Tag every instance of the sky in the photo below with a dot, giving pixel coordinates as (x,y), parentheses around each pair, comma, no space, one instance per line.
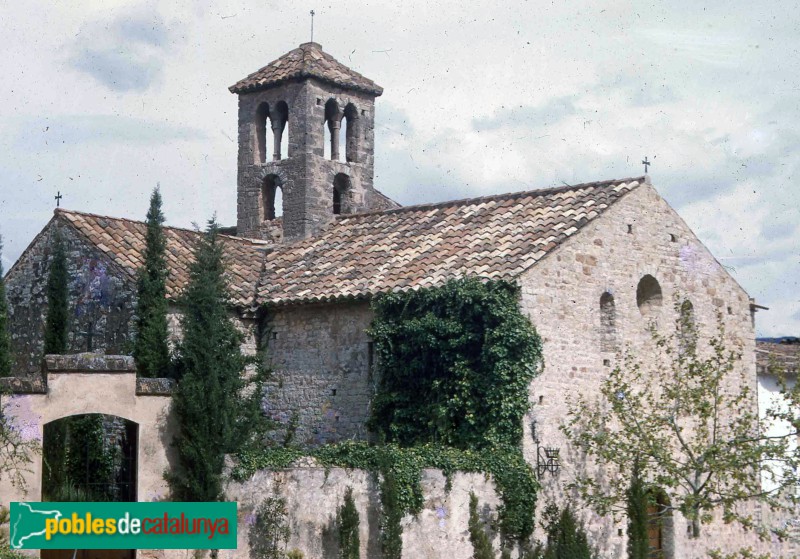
(102,100)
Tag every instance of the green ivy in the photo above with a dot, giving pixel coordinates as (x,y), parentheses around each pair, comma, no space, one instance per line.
(513,477)
(455,365)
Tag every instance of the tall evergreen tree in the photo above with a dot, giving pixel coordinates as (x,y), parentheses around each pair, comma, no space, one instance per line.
(638,541)
(348,522)
(481,544)
(5,338)
(56,324)
(150,349)
(218,408)
(566,538)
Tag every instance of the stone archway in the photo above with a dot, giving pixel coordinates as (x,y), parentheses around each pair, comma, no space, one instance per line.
(84,384)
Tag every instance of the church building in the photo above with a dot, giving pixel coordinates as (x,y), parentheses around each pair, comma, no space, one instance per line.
(597,263)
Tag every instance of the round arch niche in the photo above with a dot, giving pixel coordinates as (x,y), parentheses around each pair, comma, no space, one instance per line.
(649,297)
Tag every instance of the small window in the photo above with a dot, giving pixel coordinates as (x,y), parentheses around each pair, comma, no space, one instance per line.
(673,238)
(648,295)
(608,323)
(272,197)
(687,330)
(630,228)
(341,187)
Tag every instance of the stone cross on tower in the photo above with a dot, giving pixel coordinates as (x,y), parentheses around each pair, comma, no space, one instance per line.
(646,164)
(312,25)
(58,198)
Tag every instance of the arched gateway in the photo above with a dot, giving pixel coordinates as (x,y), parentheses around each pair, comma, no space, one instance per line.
(90,385)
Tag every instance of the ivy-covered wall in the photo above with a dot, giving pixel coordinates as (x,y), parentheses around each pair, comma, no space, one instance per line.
(314,494)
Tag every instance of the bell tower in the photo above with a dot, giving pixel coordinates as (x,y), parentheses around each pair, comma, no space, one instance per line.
(306,145)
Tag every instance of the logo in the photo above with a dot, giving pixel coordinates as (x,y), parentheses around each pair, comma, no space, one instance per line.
(122,526)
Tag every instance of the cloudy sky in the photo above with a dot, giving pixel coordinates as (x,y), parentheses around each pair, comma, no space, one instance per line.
(103,99)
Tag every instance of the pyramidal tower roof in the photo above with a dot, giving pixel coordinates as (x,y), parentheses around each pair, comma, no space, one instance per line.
(306,61)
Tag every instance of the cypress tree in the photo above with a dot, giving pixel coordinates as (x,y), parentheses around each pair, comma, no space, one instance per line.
(638,541)
(481,545)
(56,324)
(5,338)
(348,521)
(566,538)
(150,348)
(391,531)
(218,409)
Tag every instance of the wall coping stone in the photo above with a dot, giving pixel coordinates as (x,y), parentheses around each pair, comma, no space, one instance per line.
(88,363)
(23,385)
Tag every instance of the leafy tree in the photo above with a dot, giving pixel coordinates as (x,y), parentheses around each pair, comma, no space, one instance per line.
(218,408)
(150,348)
(16,446)
(691,423)
(638,518)
(348,522)
(566,538)
(270,531)
(481,545)
(456,363)
(5,338)
(57,322)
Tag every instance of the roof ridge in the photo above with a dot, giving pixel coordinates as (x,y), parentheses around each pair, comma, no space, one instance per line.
(64,211)
(502,196)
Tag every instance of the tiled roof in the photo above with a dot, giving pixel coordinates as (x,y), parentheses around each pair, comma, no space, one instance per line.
(122,240)
(492,237)
(785,356)
(360,255)
(308,60)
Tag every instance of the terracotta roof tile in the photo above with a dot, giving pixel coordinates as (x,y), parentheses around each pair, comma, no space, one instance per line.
(421,246)
(308,60)
(360,255)
(123,241)
(785,356)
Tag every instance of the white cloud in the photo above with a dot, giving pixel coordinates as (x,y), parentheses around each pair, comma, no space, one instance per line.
(479,98)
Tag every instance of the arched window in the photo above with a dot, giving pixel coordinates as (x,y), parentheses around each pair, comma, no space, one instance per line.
(262,115)
(648,295)
(687,330)
(341,187)
(333,122)
(280,118)
(351,133)
(608,323)
(272,197)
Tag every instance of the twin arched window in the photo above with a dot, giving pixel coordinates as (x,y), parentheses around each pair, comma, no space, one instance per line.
(272,122)
(340,131)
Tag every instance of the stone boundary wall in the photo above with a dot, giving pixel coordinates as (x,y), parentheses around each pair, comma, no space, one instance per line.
(313,496)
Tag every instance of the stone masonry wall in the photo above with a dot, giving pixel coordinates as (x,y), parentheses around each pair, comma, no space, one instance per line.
(305,177)
(101,297)
(640,235)
(322,381)
(313,496)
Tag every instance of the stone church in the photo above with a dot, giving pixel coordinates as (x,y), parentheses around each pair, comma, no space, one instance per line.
(597,262)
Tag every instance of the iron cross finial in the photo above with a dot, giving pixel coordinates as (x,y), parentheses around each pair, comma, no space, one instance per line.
(312,25)
(646,164)
(58,199)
